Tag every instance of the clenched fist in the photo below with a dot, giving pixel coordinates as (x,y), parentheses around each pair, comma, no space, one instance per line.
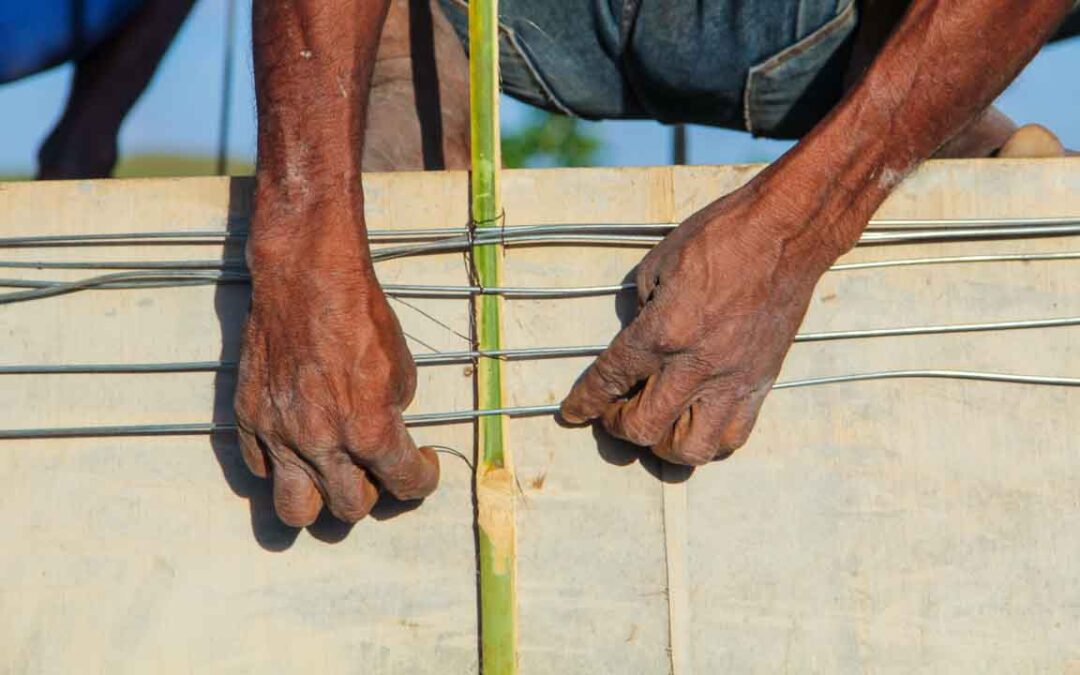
(720,300)
(324,377)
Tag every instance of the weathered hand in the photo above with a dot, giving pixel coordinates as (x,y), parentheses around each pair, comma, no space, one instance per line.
(720,300)
(324,377)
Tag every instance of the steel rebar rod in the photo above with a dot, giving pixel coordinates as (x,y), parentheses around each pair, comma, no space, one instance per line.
(887,229)
(522,353)
(238,271)
(524,411)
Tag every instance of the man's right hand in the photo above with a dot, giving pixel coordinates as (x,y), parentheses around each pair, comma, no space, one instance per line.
(324,377)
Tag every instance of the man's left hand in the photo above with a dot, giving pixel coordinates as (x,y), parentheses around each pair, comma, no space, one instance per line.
(720,301)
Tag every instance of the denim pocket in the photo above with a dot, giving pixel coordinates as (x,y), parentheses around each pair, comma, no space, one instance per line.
(790,91)
(518,74)
(522,78)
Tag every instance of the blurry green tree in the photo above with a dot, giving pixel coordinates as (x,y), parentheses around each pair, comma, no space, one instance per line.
(548,139)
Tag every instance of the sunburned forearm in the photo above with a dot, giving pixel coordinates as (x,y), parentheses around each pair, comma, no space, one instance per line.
(945,63)
(313,65)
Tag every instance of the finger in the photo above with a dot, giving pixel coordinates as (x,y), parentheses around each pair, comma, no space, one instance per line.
(297,501)
(405,471)
(647,417)
(627,361)
(349,493)
(712,428)
(253,455)
(647,277)
(737,431)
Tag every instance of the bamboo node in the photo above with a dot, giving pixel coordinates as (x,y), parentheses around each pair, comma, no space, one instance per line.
(495,513)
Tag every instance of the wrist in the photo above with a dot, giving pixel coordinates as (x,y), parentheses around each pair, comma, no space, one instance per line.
(307,239)
(809,215)
(833,182)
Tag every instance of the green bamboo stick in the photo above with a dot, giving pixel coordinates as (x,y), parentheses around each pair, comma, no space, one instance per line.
(494,471)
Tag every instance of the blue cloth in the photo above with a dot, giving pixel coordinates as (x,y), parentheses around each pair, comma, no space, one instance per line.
(39,34)
(773,67)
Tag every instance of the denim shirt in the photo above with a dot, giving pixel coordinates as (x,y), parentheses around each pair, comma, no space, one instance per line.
(773,67)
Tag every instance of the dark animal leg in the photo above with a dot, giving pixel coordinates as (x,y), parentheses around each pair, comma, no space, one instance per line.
(108,80)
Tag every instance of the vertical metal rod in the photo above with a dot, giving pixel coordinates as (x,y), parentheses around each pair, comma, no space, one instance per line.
(495,481)
(226,89)
(678,145)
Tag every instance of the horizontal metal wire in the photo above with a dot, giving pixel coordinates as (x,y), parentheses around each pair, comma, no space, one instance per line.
(199,273)
(227,264)
(421,419)
(237,266)
(939,329)
(516,238)
(520,353)
(925,223)
(187,237)
(40,289)
(428,291)
(441,358)
(118,368)
(957,259)
(879,229)
(980,376)
(141,279)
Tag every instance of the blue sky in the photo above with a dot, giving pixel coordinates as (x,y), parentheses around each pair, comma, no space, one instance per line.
(179,113)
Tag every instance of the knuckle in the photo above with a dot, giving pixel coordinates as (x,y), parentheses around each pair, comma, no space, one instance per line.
(406,382)
(692,454)
(390,457)
(414,487)
(350,504)
(309,429)
(349,512)
(637,429)
(296,507)
(607,376)
(646,279)
(372,432)
(677,332)
(245,405)
(735,437)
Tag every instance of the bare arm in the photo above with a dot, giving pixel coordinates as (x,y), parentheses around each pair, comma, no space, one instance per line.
(324,372)
(313,66)
(944,64)
(723,295)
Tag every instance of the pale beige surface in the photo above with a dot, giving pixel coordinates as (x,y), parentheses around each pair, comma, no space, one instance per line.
(890,526)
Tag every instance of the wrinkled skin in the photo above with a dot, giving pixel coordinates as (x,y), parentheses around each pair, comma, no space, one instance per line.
(320,394)
(720,300)
(721,297)
(325,374)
